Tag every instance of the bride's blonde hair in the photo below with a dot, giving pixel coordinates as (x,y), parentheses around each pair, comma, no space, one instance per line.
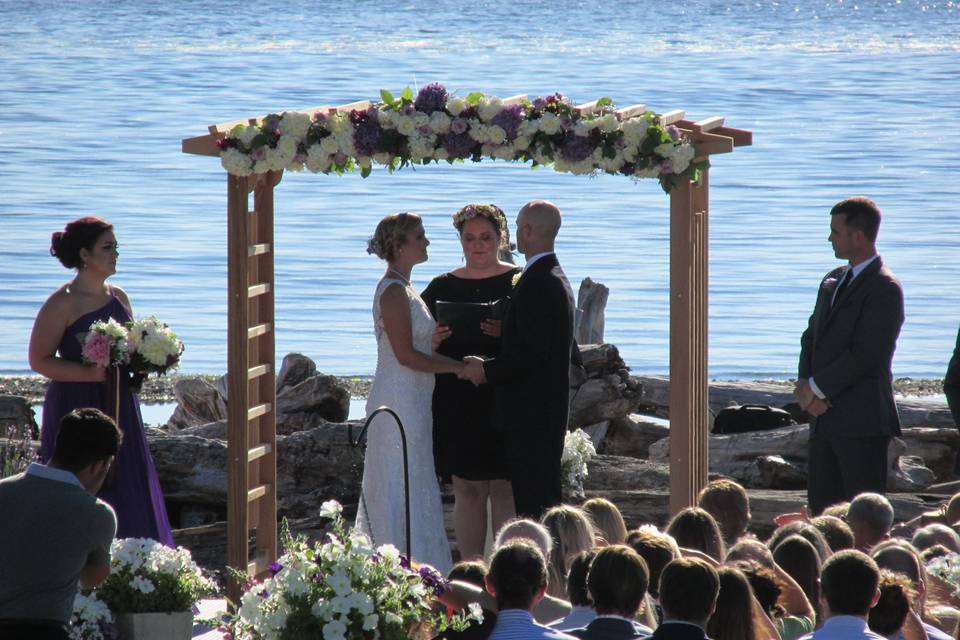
(392,233)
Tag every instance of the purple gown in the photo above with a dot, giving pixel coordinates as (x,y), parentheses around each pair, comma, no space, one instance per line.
(135,494)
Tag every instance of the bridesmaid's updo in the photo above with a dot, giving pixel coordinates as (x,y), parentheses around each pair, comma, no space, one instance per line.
(82,233)
(391,234)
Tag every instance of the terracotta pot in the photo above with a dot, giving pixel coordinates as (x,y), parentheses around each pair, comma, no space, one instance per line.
(155,626)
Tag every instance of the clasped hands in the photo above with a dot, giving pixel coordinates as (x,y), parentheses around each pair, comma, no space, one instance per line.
(808,400)
(473,370)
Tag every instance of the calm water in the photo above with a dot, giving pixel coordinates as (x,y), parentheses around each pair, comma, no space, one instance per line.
(842,98)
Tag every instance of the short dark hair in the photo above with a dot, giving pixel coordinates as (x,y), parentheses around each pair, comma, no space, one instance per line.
(577,579)
(471,571)
(849,581)
(838,533)
(896,599)
(517,572)
(859,213)
(657,550)
(86,436)
(618,580)
(82,233)
(688,590)
(798,557)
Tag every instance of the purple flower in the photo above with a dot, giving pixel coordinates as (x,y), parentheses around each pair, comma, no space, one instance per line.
(509,119)
(432,97)
(425,130)
(628,169)
(264,594)
(576,148)
(275,568)
(539,103)
(366,137)
(320,117)
(458,145)
(408,110)
(259,153)
(674,132)
(432,579)
(405,562)
(271,124)
(458,126)
(666,166)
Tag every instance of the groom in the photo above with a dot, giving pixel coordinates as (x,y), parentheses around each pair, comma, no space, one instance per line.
(531,375)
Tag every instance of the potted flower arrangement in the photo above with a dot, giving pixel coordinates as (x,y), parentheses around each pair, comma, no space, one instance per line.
(577,450)
(91,619)
(151,589)
(342,588)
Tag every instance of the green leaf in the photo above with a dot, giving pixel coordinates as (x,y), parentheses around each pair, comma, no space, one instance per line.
(237,129)
(387,97)
(473,99)
(365,171)
(605,101)
(407,94)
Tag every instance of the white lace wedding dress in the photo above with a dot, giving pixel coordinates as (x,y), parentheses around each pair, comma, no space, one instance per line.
(380,513)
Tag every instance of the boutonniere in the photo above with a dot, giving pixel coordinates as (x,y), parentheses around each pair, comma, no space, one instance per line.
(829,283)
(516,279)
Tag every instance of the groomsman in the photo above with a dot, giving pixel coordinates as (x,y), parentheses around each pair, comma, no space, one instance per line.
(844,380)
(951,387)
(531,375)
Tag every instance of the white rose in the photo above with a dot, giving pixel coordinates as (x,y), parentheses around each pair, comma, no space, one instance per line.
(608,123)
(440,122)
(295,124)
(561,165)
(296,165)
(441,153)
(478,131)
(489,107)
(456,105)
(329,145)
(406,125)
(504,152)
(496,134)
(611,165)
(522,143)
(387,118)
(649,172)
(549,124)
(421,119)
(528,128)
(582,129)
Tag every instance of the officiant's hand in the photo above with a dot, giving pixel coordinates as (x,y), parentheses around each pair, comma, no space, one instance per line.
(441,333)
(473,370)
(490,327)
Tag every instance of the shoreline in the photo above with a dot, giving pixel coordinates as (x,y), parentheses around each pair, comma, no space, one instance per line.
(159,390)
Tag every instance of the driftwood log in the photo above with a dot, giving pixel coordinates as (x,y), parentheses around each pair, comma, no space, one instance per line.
(591,303)
(17,417)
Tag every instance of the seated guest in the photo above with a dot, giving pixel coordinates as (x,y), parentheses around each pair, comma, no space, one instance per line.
(694,528)
(617,582)
(870,517)
(837,533)
(657,550)
(893,610)
(779,597)
(850,581)
(518,580)
(607,520)
(471,572)
(549,608)
(799,559)
(571,532)
(733,618)
(805,530)
(59,534)
(688,596)
(900,557)
(936,533)
(581,611)
(728,503)
(838,510)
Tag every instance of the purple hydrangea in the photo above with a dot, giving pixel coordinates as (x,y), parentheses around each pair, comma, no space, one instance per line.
(408,110)
(576,148)
(271,124)
(674,132)
(459,125)
(509,119)
(366,137)
(539,103)
(628,169)
(459,145)
(432,97)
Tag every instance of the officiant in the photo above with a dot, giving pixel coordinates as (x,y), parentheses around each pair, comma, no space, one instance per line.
(469,448)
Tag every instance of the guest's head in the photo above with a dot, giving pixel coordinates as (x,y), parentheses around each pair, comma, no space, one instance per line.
(837,510)
(849,581)
(86,443)
(688,591)
(952,513)
(733,617)
(526,529)
(765,584)
(399,236)
(657,549)
(517,578)
(838,533)
(901,557)
(870,517)
(618,581)
(471,571)
(936,551)
(86,243)
(797,556)
(896,599)
(751,550)
(538,224)
(483,233)
(854,221)
(577,592)
(695,528)
(805,530)
(607,520)
(571,532)
(936,534)
(728,503)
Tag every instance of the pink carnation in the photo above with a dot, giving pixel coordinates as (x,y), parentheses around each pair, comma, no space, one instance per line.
(97,349)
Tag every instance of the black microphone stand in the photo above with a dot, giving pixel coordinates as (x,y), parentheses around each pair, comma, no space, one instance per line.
(406,471)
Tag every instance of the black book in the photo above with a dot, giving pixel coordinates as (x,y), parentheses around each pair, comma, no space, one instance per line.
(464,318)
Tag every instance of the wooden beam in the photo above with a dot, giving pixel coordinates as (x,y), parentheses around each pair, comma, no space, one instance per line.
(671,117)
(258,452)
(587,108)
(201,145)
(631,111)
(708,123)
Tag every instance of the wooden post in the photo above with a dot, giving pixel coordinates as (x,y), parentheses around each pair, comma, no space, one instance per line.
(689,407)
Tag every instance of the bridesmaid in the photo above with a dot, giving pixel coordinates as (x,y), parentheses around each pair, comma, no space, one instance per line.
(89,246)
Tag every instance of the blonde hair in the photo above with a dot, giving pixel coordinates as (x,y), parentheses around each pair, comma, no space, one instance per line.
(571,532)
(392,233)
(607,519)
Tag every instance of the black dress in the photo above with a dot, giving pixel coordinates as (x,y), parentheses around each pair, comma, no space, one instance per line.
(466,441)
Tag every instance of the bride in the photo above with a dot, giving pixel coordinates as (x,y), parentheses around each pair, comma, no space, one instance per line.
(404,382)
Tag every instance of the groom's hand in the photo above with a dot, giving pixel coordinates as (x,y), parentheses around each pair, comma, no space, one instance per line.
(473,370)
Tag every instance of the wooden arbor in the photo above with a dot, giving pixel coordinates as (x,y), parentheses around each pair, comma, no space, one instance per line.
(251,433)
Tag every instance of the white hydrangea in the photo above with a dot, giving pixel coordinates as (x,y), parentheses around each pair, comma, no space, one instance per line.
(339,123)
(489,107)
(521,143)
(648,172)
(549,123)
(635,131)
(440,122)
(236,162)
(317,159)
(328,145)
(608,123)
(456,105)
(441,153)
(582,129)
(247,133)
(287,147)
(496,134)
(387,118)
(295,124)
(681,156)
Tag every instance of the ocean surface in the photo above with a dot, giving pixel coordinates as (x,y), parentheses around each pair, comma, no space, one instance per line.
(843,98)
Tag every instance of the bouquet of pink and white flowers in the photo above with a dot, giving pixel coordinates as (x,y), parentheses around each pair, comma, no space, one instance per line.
(105,344)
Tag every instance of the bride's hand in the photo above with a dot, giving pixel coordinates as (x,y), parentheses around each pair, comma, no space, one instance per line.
(441,333)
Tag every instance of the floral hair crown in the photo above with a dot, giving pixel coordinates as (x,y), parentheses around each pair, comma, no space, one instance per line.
(373,247)
(491,212)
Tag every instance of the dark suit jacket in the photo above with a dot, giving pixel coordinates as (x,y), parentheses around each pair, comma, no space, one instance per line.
(951,383)
(678,631)
(532,372)
(848,350)
(609,629)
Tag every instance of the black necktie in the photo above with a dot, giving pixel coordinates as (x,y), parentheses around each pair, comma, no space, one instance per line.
(847,277)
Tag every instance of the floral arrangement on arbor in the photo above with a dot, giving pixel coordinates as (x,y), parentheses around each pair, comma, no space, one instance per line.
(342,588)
(91,619)
(436,126)
(148,577)
(577,450)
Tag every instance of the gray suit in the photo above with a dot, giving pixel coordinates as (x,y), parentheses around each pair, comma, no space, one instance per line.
(848,350)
